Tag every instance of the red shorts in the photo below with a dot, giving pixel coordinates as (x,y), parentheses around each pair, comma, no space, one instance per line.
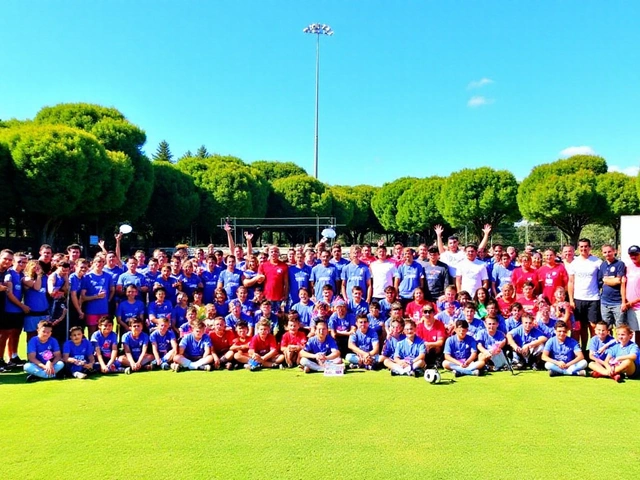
(92,320)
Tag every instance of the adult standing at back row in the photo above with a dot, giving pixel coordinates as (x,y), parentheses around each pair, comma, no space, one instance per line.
(452,255)
(583,289)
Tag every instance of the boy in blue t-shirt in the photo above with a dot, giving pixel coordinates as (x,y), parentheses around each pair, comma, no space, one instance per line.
(105,345)
(364,344)
(409,355)
(195,350)
(623,358)
(461,352)
(77,354)
(562,354)
(527,343)
(490,343)
(164,345)
(135,343)
(43,353)
(319,350)
(599,344)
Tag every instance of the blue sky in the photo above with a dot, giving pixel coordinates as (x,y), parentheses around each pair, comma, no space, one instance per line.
(406,88)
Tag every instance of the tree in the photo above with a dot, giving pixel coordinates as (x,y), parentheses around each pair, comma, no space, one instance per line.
(300,196)
(385,202)
(163,153)
(202,152)
(116,134)
(62,172)
(619,193)
(227,187)
(418,210)
(273,170)
(186,154)
(564,194)
(364,220)
(343,204)
(175,202)
(7,181)
(479,196)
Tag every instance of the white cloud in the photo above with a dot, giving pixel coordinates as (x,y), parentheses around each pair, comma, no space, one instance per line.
(582,150)
(480,83)
(479,101)
(631,171)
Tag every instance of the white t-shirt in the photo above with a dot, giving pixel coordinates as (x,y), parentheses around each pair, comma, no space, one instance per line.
(472,274)
(381,276)
(585,277)
(452,260)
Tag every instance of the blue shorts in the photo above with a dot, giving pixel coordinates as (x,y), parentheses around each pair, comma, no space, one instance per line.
(31,322)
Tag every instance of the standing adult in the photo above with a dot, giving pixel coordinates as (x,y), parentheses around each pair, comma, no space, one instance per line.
(436,275)
(584,293)
(356,273)
(276,279)
(382,271)
(631,294)
(525,273)
(611,273)
(408,276)
(325,273)
(471,273)
(552,274)
(453,255)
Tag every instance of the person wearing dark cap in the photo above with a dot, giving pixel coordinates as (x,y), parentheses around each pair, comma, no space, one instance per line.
(436,274)
(631,292)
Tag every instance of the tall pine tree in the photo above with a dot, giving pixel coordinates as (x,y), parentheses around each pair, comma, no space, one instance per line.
(163,153)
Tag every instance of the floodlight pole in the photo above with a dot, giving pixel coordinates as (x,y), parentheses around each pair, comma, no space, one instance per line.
(317,29)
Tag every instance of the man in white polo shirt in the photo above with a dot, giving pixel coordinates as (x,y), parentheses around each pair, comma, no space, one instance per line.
(452,255)
(584,290)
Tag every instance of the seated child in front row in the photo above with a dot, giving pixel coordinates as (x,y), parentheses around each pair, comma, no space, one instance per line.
(599,344)
(136,344)
(77,354)
(43,353)
(195,350)
(164,345)
(461,352)
(562,354)
(263,348)
(105,344)
(623,358)
(293,340)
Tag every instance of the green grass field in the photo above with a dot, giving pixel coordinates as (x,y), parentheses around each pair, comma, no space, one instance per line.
(284,424)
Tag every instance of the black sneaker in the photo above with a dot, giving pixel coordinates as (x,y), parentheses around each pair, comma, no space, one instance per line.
(32,378)
(418,372)
(553,373)
(394,373)
(456,374)
(18,361)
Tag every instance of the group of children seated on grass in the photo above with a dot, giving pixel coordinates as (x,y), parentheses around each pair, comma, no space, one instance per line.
(312,336)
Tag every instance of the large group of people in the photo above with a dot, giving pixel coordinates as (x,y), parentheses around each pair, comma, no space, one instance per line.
(468,309)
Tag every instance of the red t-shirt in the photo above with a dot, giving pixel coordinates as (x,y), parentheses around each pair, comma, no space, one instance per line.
(413,310)
(241,341)
(519,278)
(552,278)
(262,347)
(299,339)
(222,344)
(432,334)
(275,276)
(528,305)
(505,307)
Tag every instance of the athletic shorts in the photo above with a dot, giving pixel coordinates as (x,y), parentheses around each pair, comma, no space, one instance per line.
(587,310)
(31,322)
(12,321)
(92,320)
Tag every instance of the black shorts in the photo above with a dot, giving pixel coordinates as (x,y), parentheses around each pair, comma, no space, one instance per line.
(587,311)
(12,321)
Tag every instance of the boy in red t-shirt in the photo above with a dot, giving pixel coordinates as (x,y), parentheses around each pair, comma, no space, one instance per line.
(222,339)
(240,345)
(263,348)
(293,340)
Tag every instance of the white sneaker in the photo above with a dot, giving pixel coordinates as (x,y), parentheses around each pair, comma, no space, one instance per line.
(80,375)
